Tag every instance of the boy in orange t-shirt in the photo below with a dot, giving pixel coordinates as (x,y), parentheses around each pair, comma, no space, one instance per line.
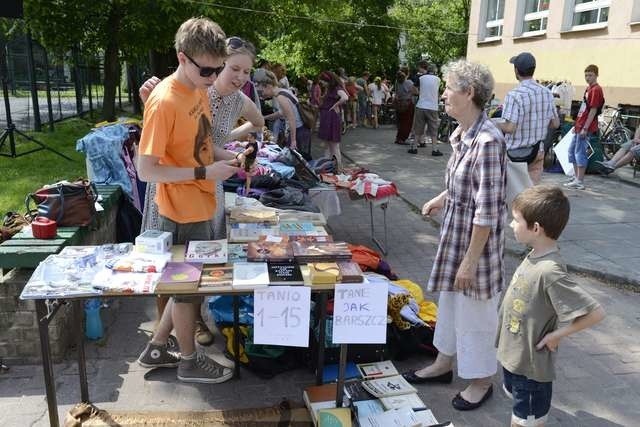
(177,152)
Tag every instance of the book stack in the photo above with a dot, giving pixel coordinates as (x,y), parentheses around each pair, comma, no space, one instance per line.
(180,277)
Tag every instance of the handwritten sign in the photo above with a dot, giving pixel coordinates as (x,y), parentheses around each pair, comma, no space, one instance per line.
(281,315)
(360,313)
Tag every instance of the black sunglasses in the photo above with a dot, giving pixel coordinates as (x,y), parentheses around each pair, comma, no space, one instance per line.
(236,43)
(206,71)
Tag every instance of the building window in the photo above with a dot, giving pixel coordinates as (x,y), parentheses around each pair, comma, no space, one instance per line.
(536,14)
(495,19)
(588,12)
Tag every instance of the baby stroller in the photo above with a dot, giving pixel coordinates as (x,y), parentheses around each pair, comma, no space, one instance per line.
(387,113)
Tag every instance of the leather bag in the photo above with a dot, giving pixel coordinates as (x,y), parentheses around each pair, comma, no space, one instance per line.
(67,203)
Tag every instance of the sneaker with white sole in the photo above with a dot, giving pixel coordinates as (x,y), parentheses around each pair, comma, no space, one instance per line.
(569,181)
(158,356)
(575,185)
(203,369)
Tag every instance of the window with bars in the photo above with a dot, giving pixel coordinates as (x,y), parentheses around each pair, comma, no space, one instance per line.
(536,15)
(495,19)
(587,12)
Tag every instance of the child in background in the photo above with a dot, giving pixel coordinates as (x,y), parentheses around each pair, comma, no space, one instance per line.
(540,295)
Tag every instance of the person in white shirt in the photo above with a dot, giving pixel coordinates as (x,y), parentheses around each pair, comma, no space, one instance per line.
(378,92)
(426,113)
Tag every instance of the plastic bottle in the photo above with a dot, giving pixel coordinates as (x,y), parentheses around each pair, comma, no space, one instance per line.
(93,323)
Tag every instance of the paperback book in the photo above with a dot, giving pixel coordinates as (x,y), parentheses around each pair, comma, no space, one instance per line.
(206,251)
(388,386)
(285,274)
(319,397)
(350,272)
(250,274)
(253,215)
(384,368)
(251,232)
(236,252)
(138,262)
(215,277)
(266,250)
(320,252)
(180,277)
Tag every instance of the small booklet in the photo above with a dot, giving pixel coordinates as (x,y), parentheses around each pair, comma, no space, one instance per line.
(285,274)
(350,272)
(388,386)
(250,274)
(236,252)
(180,277)
(412,401)
(265,250)
(206,251)
(381,369)
(216,277)
(249,214)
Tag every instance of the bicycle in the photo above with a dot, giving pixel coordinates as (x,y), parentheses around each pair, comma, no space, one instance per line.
(447,125)
(613,133)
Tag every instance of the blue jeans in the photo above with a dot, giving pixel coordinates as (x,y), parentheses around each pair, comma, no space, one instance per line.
(578,150)
(531,399)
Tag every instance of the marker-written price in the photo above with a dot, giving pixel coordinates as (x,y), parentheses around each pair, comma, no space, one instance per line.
(360,313)
(281,315)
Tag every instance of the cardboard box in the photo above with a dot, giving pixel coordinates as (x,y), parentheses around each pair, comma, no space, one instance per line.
(154,242)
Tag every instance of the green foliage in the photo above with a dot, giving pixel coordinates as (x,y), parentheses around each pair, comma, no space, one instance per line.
(437,28)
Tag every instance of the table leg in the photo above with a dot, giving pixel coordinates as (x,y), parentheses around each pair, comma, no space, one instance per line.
(342,367)
(236,336)
(47,365)
(382,246)
(322,302)
(82,364)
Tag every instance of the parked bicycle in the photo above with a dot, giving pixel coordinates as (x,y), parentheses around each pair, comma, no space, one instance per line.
(613,132)
(447,126)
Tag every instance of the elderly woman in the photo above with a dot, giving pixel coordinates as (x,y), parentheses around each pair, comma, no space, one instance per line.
(468,269)
(228,104)
(286,104)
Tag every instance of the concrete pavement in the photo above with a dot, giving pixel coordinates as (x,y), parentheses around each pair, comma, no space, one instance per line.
(598,370)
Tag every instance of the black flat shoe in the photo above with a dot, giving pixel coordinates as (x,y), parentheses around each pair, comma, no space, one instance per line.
(445,378)
(436,153)
(412,151)
(461,404)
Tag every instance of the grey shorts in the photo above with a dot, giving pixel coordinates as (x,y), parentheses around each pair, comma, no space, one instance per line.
(183,233)
(632,148)
(428,119)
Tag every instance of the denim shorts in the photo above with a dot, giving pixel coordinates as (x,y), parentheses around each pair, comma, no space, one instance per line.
(578,150)
(531,399)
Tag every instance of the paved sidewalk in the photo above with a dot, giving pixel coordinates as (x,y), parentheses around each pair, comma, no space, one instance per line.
(598,371)
(603,234)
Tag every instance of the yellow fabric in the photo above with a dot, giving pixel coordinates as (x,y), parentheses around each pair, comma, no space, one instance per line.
(120,121)
(177,131)
(428,309)
(228,334)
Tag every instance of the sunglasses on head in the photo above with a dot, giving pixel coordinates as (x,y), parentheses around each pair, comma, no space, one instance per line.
(236,42)
(206,71)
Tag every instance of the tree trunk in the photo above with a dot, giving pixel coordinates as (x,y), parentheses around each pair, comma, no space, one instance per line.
(111,67)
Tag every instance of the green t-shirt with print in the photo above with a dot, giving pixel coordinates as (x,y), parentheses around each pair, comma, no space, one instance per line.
(540,295)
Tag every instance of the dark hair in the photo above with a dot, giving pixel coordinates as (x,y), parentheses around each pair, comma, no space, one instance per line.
(401,77)
(424,65)
(592,68)
(545,204)
(331,78)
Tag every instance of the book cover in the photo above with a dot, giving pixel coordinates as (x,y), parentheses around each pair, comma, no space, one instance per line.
(322,273)
(253,215)
(334,417)
(355,392)
(110,281)
(180,276)
(284,274)
(330,372)
(206,251)
(384,368)
(296,227)
(350,272)
(137,262)
(216,276)
(265,250)
(236,252)
(388,386)
(321,252)
(319,397)
(250,274)
(411,400)
(251,232)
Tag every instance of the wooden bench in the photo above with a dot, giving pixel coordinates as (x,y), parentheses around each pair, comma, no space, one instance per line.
(25,251)
(19,256)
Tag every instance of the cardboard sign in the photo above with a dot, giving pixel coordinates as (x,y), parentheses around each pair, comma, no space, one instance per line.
(360,313)
(562,153)
(281,315)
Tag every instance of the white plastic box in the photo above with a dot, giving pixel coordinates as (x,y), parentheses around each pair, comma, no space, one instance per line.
(154,242)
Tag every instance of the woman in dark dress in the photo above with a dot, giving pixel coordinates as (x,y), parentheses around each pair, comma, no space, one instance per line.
(331,115)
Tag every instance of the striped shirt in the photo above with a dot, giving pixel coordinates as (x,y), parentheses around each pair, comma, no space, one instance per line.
(476,185)
(531,107)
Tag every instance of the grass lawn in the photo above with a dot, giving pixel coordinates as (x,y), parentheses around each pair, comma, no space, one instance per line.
(22,175)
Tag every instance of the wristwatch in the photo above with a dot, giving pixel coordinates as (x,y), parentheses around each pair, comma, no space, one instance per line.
(200,172)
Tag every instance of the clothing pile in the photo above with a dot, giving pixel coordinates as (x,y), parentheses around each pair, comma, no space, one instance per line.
(363,184)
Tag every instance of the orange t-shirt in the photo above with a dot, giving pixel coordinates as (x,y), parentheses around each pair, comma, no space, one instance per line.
(177,129)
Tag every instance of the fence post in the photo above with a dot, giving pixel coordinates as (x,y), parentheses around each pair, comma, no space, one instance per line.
(48,84)
(37,125)
(77,79)
(88,71)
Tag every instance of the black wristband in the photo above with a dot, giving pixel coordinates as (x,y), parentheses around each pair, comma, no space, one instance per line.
(200,172)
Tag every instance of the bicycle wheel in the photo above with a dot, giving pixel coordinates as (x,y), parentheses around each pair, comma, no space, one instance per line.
(613,140)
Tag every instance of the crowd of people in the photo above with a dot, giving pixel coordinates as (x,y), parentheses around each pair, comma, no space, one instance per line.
(189,115)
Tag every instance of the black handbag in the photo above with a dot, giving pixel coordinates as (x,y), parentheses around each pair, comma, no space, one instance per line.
(67,203)
(524,154)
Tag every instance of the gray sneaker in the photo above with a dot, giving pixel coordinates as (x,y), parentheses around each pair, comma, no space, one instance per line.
(202,369)
(158,356)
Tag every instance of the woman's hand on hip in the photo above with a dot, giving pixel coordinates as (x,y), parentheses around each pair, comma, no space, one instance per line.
(466,275)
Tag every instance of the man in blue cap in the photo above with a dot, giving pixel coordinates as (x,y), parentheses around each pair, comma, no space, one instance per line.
(529,110)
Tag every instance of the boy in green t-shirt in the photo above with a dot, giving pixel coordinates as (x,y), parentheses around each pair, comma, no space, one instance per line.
(540,295)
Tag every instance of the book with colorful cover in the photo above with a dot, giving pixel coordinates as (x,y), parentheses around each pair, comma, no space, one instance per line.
(180,277)
(109,281)
(236,252)
(206,251)
(350,272)
(320,252)
(250,274)
(138,262)
(284,274)
(250,214)
(318,397)
(334,417)
(266,250)
(216,277)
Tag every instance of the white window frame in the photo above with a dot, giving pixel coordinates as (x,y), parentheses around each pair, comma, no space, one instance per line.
(496,23)
(534,16)
(635,14)
(585,7)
